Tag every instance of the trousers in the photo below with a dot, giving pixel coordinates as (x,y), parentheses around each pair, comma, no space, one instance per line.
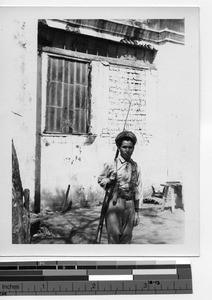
(120,221)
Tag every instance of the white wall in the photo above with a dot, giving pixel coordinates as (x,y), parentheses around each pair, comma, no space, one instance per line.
(76,160)
(23,59)
(178,106)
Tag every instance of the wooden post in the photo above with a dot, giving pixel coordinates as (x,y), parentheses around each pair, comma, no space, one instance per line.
(165,193)
(65,200)
(173,199)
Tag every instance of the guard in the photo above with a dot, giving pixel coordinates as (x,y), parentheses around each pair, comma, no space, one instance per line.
(123,210)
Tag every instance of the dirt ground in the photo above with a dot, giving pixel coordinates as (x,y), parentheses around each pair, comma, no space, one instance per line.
(158,227)
(79,226)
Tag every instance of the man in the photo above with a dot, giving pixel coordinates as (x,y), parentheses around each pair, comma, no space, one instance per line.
(123,210)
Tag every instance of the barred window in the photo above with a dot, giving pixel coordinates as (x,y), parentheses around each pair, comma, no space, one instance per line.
(67,103)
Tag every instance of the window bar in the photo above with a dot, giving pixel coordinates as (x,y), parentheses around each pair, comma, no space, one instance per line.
(65,98)
(80,98)
(55,95)
(49,94)
(62,95)
(88,106)
(52,117)
(85,94)
(59,94)
(74,96)
(67,121)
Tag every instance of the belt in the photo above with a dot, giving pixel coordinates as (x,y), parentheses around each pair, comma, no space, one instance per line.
(127,195)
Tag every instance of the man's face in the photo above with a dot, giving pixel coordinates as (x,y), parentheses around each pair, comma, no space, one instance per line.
(126,149)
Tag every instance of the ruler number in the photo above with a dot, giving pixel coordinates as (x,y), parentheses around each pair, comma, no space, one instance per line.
(140,285)
(145,285)
(92,286)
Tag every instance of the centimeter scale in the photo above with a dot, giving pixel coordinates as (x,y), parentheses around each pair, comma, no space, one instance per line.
(94,277)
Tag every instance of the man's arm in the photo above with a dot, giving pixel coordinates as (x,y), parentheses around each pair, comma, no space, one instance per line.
(107,176)
(138,196)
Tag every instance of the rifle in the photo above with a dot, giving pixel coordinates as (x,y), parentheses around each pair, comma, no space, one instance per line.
(110,194)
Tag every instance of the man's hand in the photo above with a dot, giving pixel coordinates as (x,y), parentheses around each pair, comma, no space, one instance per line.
(136,219)
(104,182)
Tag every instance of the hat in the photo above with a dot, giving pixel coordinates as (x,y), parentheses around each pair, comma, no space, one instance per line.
(129,135)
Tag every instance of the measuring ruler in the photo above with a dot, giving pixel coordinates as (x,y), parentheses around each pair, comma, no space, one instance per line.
(94,278)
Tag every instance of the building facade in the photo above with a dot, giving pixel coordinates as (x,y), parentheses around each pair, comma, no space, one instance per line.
(78,83)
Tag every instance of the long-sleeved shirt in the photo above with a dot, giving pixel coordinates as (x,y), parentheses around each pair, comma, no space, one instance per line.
(128,176)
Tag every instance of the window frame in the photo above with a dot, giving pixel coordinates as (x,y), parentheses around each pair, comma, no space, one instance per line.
(44,81)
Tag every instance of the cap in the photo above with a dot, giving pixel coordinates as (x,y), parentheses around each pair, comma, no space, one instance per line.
(129,135)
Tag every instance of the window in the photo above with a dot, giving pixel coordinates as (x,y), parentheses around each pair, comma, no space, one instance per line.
(67,103)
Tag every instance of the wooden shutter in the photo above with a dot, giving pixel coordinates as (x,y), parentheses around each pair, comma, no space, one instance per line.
(67,104)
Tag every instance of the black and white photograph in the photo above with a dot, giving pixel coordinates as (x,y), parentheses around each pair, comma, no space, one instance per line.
(105,130)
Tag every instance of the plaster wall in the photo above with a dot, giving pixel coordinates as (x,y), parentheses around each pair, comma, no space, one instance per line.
(178,108)
(77,160)
(23,56)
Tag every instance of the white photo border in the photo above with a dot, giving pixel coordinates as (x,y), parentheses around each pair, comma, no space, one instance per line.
(192,239)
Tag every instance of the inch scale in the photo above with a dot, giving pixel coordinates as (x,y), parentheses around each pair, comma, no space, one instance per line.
(94,278)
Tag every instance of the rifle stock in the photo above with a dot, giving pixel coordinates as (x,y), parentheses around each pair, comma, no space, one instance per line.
(109,195)
(101,220)
(104,209)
